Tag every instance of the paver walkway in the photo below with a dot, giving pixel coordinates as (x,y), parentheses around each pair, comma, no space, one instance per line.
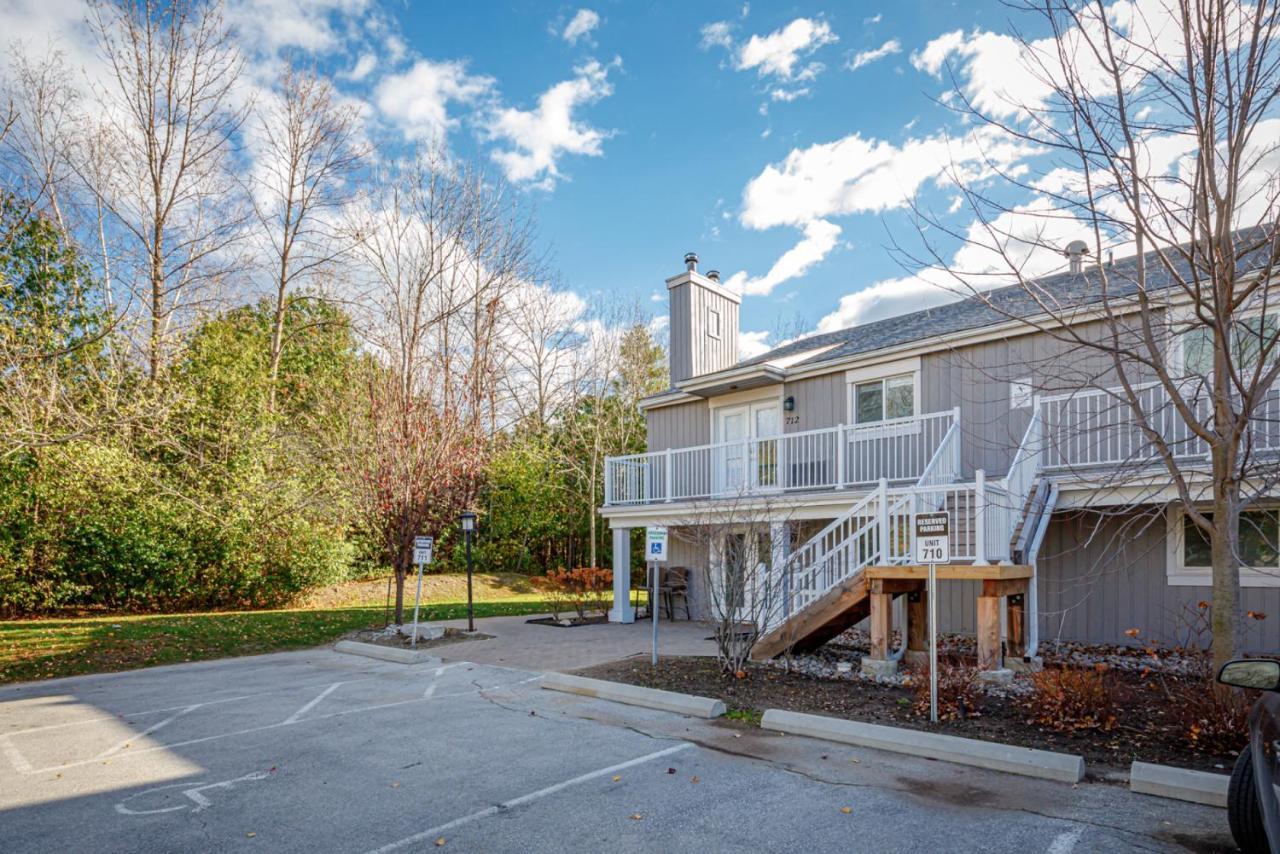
(517,643)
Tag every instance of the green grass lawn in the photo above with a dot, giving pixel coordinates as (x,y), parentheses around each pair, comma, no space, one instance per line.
(48,648)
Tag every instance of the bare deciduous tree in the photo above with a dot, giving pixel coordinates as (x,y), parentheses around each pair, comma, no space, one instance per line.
(439,251)
(1118,89)
(171,106)
(310,150)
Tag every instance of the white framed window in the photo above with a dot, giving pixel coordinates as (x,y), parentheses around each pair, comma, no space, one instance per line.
(1188,560)
(885,399)
(713,323)
(1250,335)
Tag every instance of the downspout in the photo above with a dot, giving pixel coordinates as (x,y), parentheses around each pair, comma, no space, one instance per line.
(1033,553)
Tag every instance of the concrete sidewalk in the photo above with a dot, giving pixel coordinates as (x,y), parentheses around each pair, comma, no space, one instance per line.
(517,643)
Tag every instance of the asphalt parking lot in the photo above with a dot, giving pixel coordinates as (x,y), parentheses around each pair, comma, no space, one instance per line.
(316,751)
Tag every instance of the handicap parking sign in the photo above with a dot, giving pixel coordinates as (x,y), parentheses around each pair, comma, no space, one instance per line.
(655,544)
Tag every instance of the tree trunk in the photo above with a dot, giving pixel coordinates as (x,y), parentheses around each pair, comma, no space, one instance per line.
(400,574)
(277,344)
(1224,549)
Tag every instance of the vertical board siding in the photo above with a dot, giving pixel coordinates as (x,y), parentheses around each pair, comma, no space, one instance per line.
(691,551)
(683,425)
(820,402)
(1099,577)
(680,334)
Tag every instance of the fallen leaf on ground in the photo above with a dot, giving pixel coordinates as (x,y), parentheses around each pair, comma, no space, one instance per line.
(856,761)
(846,810)
(671,770)
(251,834)
(440,842)
(617,777)
(635,816)
(395,785)
(695,779)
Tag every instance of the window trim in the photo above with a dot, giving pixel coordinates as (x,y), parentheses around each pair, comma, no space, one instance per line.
(1183,322)
(884,371)
(713,314)
(1177,574)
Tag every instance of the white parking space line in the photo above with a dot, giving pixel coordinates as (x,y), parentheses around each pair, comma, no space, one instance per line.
(488,812)
(250,730)
(1065,843)
(293,718)
(15,757)
(146,732)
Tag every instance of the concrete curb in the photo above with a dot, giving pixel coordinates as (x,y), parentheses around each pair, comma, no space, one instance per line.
(633,695)
(1165,781)
(1063,767)
(386,653)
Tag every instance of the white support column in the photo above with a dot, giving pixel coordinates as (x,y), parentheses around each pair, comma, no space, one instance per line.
(622,612)
(666,475)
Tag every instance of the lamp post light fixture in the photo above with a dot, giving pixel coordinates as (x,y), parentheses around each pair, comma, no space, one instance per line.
(468,520)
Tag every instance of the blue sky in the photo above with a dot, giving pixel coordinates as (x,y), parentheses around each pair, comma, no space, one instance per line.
(780,142)
(686,131)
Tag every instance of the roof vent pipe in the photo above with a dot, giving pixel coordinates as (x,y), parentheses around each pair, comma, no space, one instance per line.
(713,275)
(1075,252)
(691,261)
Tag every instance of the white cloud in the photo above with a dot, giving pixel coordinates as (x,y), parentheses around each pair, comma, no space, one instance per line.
(363,68)
(539,137)
(858,175)
(417,100)
(314,26)
(717,34)
(580,26)
(820,237)
(866,57)
(874,19)
(752,344)
(1028,239)
(777,53)
(788,95)
(935,53)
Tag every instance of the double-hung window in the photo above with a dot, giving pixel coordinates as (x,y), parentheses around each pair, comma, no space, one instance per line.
(884,399)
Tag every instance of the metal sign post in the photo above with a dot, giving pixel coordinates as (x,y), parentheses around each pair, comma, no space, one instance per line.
(933,546)
(655,552)
(422,547)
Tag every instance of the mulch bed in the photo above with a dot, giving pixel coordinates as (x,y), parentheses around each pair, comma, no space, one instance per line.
(569,622)
(1146,732)
(381,637)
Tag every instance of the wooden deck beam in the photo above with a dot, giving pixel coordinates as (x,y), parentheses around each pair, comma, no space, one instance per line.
(958,572)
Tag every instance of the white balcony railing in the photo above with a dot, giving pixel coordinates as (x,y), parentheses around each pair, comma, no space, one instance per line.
(899,451)
(1098,428)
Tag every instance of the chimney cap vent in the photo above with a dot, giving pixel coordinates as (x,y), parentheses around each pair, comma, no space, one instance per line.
(713,275)
(691,261)
(1075,252)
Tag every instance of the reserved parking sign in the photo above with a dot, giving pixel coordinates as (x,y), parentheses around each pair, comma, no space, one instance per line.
(933,538)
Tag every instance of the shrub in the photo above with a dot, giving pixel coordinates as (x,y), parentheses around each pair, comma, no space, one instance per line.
(960,693)
(1069,699)
(585,589)
(1212,718)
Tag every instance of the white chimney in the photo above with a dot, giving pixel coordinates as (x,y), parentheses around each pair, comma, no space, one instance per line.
(704,322)
(1075,252)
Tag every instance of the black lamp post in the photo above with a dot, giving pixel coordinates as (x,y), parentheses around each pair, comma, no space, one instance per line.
(468,520)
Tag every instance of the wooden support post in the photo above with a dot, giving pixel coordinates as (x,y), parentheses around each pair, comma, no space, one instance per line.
(1016,625)
(918,622)
(989,633)
(881,624)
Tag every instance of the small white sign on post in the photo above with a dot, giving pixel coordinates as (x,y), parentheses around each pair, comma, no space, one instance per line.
(655,552)
(933,546)
(422,547)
